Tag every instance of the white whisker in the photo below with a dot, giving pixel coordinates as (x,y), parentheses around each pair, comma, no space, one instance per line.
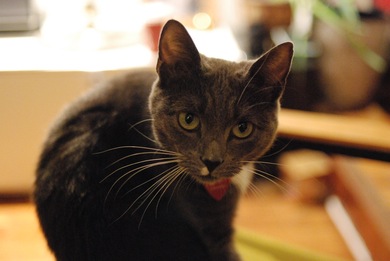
(270,178)
(277,152)
(262,162)
(149,180)
(140,169)
(135,147)
(164,184)
(136,171)
(251,79)
(133,164)
(161,185)
(140,122)
(256,105)
(142,154)
(178,172)
(255,190)
(142,134)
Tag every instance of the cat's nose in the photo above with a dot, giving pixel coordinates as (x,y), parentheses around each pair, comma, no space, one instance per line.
(211,165)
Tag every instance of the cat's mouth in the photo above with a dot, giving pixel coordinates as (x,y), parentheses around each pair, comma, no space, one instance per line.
(218,189)
(215,186)
(206,177)
(210,178)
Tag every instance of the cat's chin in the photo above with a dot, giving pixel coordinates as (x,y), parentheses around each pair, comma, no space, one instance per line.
(209,179)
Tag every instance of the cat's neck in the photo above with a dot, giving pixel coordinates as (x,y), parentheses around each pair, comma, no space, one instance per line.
(243,179)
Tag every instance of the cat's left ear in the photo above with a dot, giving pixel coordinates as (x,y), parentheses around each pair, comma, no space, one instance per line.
(272,68)
(176,48)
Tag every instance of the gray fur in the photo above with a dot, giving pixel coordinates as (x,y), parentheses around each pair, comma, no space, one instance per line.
(120,179)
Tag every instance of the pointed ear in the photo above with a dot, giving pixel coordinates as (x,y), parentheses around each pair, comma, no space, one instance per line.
(274,65)
(176,47)
(270,71)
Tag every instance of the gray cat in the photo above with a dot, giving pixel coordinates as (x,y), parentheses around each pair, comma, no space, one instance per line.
(151,166)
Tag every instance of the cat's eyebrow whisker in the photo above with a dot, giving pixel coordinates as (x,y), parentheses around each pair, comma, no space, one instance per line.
(258,91)
(140,122)
(142,134)
(251,79)
(256,104)
(278,151)
(265,88)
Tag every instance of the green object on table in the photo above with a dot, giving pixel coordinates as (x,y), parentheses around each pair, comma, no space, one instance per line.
(253,247)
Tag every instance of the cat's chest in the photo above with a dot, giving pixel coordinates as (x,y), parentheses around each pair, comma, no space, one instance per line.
(203,212)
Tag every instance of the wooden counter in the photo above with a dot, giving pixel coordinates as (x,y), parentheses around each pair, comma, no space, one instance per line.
(269,213)
(369,136)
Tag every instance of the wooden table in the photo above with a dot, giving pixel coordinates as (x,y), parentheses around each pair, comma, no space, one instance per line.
(20,234)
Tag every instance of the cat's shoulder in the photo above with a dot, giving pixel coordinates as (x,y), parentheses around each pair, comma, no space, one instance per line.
(126,84)
(122,93)
(120,90)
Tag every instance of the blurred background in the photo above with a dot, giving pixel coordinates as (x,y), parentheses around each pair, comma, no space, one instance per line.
(51,51)
(341,46)
(342,49)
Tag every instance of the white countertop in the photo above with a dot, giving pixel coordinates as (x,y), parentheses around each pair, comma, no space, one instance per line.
(30,53)
(36,81)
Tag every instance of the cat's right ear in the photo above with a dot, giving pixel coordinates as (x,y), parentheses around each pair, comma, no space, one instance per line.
(275,64)
(272,68)
(176,48)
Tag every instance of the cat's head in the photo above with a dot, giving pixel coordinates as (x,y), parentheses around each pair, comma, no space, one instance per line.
(218,115)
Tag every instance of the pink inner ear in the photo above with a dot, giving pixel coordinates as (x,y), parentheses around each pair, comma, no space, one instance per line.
(176,45)
(217,190)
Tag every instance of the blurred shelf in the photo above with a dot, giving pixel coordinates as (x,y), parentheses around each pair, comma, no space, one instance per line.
(361,136)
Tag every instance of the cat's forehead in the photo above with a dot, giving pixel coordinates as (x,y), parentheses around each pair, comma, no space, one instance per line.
(217,69)
(211,104)
(224,79)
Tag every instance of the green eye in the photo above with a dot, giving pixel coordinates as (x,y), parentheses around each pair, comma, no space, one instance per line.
(242,130)
(188,121)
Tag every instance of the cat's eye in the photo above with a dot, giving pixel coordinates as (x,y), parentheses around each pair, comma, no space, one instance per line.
(188,121)
(242,130)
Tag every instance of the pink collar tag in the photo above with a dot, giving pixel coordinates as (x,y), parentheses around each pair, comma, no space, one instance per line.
(218,189)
